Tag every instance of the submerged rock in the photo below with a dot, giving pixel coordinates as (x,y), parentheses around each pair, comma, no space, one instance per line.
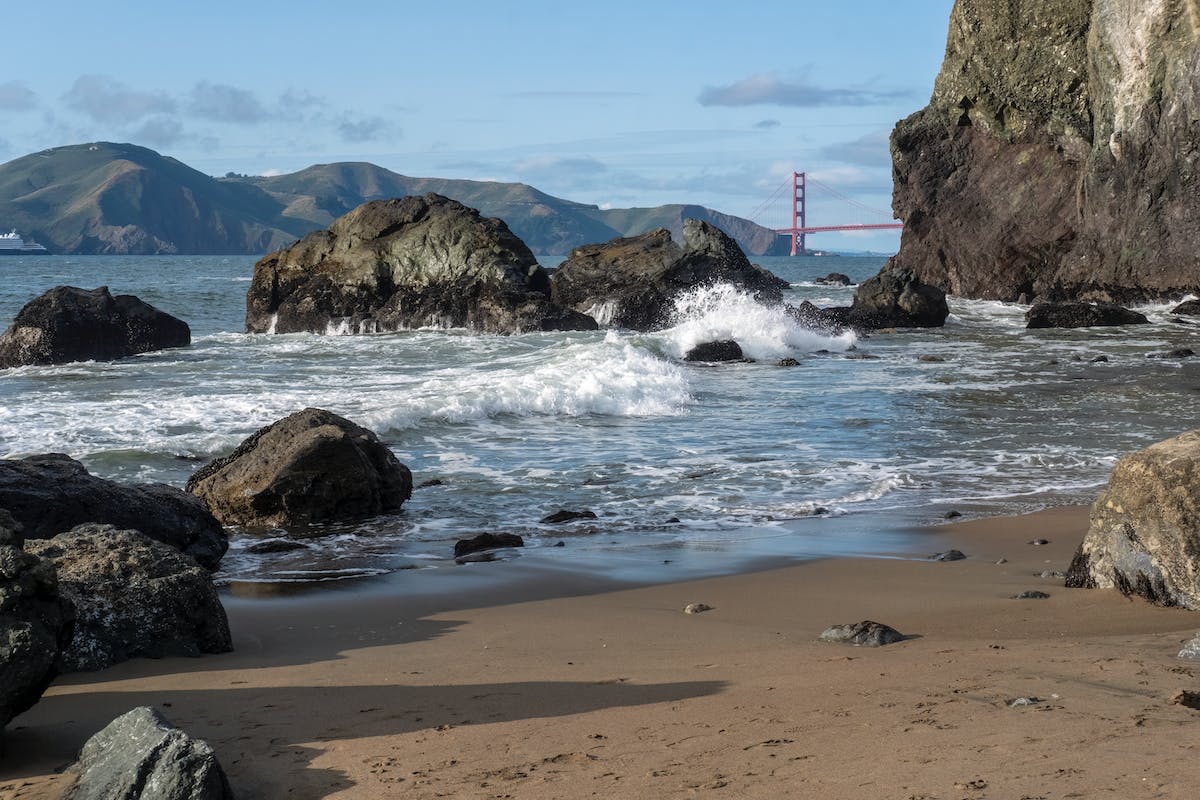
(1188,308)
(834,279)
(69,324)
(1144,537)
(142,756)
(36,624)
(1081,315)
(52,493)
(133,597)
(633,282)
(406,263)
(565,515)
(312,466)
(862,634)
(486,541)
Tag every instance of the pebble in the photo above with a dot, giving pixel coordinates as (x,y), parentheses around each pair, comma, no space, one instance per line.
(948,555)
(1017,702)
(1002,560)
(1052,573)
(696,608)
(1186,698)
(1039,542)
(1030,594)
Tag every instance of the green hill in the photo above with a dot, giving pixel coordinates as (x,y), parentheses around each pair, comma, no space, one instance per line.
(121,198)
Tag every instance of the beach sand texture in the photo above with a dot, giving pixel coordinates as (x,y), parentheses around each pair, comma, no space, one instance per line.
(531,694)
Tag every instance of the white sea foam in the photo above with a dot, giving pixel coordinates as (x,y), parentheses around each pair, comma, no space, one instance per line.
(722,311)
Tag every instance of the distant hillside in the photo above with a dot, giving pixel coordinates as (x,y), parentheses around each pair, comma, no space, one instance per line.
(121,198)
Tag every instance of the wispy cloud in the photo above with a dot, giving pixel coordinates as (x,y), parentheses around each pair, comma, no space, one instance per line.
(569,94)
(221,102)
(367,129)
(771,90)
(106,99)
(868,151)
(766,124)
(16,96)
(159,131)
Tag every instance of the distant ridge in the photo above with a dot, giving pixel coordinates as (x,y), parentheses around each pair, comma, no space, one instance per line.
(106,198)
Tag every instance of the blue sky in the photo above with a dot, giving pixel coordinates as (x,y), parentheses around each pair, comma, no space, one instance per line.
(619,103)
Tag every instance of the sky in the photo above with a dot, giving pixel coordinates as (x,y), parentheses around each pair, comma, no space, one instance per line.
(621,103)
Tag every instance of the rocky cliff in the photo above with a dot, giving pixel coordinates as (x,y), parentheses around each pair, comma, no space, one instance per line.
(1058,155)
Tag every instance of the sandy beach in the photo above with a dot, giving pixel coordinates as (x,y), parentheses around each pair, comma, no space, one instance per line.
(566,689)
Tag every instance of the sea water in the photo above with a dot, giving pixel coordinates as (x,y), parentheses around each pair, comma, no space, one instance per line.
(688,467)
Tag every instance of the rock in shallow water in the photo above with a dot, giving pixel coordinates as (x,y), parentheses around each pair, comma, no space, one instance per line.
(1081,315)
(142,756)
(726,350)
(566,515)
(312,466)
(948,555)
(406,263)
(862,634)
(486,541)
(69,324)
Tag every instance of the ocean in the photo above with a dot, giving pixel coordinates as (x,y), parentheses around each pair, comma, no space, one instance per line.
(691,469)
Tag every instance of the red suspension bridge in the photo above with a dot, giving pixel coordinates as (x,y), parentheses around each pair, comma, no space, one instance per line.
(773,212)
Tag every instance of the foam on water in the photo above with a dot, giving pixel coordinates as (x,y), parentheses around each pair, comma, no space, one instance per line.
(721,312)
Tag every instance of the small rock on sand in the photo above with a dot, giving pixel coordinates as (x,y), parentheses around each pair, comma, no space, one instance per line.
(1186,698)
(1018,702)
(1030,594)
(1191,650)
(696,608)
(1040,542)
(948,555)
(862,634)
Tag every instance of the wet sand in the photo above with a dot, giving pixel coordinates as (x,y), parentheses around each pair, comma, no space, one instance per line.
(564,687)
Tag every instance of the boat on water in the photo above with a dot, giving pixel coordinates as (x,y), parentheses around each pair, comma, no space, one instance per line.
(11,244)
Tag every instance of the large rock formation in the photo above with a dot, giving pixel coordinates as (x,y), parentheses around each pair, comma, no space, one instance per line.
(1058,157)
(133,597)
(142,756)
(312,466)
(1145,533)
(633,282)
(69,324)
(35,623)
(52,493)
(405,263)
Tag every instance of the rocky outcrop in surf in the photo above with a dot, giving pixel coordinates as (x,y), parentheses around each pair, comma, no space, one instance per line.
(51,493)
(633,282)
(36,623)
(406,263)
(69,324)
(312,466)
(1057,157)
(1144,537)
(895,298)
(1081,315)
(133,597)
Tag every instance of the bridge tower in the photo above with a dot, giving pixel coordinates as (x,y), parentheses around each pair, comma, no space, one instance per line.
(798,220)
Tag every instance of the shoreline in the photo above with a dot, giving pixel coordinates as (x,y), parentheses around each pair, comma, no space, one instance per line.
(569,686)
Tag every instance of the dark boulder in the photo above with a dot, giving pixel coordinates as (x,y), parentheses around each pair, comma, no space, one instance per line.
(133,597)
(1144,537)
(834,279)
(862,634)
(895,298)
(715,351)
(831,319)
(948,555)
(1080,315)
(68,324)
(36,624)
(486,541)
(1188,308)
(52,493)
(634,282)
(405,263)
(312,466)
(142,756)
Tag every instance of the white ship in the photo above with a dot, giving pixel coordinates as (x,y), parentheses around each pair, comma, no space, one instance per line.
(11,244)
